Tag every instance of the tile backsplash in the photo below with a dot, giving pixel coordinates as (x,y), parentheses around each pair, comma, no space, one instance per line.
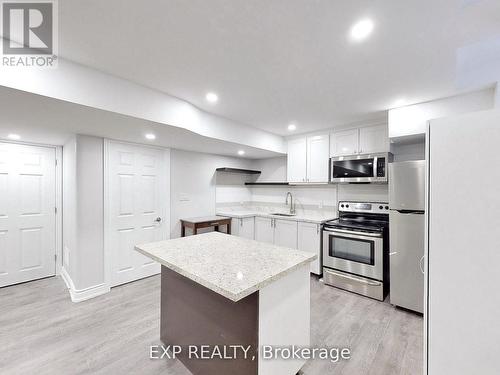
(307,199)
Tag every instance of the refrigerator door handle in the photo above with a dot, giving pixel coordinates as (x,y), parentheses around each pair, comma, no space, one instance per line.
(410,212)
(421,265)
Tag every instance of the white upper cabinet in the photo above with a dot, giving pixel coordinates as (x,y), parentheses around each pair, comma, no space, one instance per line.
(285,233)
(366,140)
(373,139)
(308,158)
(345,142)
(296,160)
(317,158)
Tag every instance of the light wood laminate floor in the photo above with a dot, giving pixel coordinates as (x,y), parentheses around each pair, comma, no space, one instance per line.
(43,332)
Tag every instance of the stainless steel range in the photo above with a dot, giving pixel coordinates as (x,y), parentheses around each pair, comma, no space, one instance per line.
(355,249)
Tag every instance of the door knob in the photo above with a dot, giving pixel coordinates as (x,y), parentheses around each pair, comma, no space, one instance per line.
(158,219)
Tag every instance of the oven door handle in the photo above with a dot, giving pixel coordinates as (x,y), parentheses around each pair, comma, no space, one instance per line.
(357,279)
(365,234)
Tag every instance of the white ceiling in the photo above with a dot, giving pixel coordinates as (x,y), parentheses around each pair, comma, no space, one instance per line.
(280,61)
(52,121)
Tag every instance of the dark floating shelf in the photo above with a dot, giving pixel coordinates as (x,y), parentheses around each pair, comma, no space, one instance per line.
(237,170)
(267,183)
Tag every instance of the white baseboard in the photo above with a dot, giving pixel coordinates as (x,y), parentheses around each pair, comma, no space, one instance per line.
(79,295)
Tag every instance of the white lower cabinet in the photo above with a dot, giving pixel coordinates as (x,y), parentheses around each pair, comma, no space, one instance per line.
(264,229)
(285,233)
(309,239)
(288,233)
(243,227)
(276,231)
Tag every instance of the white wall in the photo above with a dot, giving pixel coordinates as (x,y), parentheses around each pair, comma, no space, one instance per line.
(78,84)
(193,184)
(90,214)
(315,196)
(83,225)
(273,169)
(69,206)
(412,120)
(497,95)
(364,192)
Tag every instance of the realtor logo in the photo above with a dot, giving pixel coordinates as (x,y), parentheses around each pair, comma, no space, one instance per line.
(29,33)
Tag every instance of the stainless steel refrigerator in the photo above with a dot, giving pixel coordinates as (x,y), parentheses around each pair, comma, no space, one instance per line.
(407,234)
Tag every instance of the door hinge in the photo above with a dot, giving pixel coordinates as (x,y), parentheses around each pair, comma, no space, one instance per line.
(56,162)
(55,210)
(55,257)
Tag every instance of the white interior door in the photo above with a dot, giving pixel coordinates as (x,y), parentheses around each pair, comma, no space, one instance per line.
(137,202)
(27,213)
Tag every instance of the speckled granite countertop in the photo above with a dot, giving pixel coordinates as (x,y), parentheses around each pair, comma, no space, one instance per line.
(229,265)
(309,218)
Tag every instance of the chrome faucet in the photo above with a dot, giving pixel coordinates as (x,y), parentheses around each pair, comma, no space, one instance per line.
(292,207)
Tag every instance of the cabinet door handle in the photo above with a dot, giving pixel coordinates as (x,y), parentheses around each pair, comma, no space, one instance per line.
(317,228)
(241,222)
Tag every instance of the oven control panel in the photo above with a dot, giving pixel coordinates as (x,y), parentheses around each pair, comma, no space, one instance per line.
(369,207)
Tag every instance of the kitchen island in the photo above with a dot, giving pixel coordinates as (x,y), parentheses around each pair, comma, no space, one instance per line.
(231,297)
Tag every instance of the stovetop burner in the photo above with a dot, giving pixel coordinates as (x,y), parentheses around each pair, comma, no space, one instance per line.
(361,225)
(360,216)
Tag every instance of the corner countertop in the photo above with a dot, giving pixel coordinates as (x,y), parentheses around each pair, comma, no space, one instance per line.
(308,218)
(231,266)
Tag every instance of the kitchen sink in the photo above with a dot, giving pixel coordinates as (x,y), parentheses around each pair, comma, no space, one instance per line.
(282,214)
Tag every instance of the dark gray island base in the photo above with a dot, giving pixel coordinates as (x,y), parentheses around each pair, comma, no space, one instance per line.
(194,315)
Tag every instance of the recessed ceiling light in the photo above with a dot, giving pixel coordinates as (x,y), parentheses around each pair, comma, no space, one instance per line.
(292,127)
(211,97)
(14,137)
(362,29)
(150,136)
(241,152)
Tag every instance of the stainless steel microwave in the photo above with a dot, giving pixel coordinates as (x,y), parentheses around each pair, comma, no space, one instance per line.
(362,168)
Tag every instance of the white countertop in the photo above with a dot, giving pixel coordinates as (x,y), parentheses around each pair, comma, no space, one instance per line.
(232,266)
(310,218)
